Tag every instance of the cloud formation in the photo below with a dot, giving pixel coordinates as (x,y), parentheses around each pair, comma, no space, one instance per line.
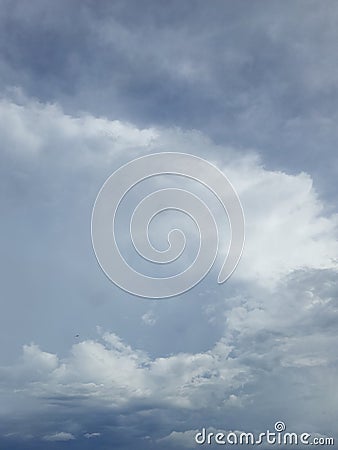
(86,87)
(276,322)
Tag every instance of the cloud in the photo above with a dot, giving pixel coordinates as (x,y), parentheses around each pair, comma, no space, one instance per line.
(91,435)
(41,361)
(270,84)
(274,320)
(86,87)
(111,372)
(286,229)
(61,436)
(268,341)
(38,127)
(273,201)
(149,318)
(180,439)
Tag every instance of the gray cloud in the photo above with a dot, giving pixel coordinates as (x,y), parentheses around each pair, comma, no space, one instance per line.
(86,87)
(261,76)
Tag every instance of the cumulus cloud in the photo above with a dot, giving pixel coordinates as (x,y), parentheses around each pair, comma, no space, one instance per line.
(275,319)
(110,372)
(286,227)
(273,201)
(267,341)
(30,128)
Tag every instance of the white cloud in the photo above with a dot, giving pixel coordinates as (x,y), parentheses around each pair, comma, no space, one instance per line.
(31,129)
(59,437)
(91,435)
(41,361)
(286,225)
(280,319)
(286,228)
(149,318)
(111,373)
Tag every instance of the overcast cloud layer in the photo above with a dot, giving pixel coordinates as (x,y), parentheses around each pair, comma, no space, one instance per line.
(86,87)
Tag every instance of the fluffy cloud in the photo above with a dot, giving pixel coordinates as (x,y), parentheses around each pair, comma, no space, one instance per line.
(111,373)
(262,342)
(29,128)
(275,318)
(286,224)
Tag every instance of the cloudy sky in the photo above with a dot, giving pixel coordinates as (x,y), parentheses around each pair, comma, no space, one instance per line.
(86,86)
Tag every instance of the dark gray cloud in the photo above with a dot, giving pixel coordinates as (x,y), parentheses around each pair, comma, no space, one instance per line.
(252,75)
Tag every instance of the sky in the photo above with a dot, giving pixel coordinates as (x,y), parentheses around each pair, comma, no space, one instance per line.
(86,87)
